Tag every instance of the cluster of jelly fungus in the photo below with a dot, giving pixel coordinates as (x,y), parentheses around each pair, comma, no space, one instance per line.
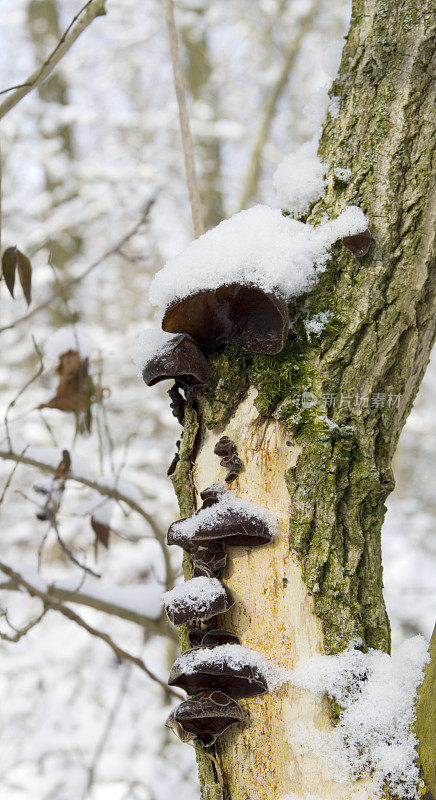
(212,672)
(226,449)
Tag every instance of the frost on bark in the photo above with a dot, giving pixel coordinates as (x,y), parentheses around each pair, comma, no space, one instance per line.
(324,469)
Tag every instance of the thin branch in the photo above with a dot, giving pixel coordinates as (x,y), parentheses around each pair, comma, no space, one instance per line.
(19,633)
(28,383)
(188,150)
(86,15)
(65,287)
(251,179)
(81,597)
(67,612)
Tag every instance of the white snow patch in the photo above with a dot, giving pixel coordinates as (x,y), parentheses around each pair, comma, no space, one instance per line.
(209,517)
(334,106)
(316,324)
(374,736)
(70,337)
(299,179)
(332,426)
(201,592)
(342,174)
(234,656)
(259,247)
(149,344)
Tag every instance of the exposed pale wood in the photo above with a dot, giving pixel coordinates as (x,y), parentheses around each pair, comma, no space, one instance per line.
(263,760)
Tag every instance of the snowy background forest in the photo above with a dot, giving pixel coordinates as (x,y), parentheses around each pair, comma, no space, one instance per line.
(82,159)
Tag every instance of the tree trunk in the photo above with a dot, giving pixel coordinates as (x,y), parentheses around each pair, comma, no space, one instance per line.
(317,425)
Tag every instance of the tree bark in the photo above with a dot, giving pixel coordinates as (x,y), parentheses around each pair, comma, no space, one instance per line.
(317,425)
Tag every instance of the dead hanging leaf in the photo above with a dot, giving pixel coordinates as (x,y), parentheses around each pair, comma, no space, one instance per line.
(24,268)
(102,531)
(9,263)
(14,261)
(75,391)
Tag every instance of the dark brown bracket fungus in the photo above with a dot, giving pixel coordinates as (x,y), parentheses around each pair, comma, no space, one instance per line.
(200,598)
(358,244)
(226,667)
(223,519)
(234,314)
(180,359)
(205,717)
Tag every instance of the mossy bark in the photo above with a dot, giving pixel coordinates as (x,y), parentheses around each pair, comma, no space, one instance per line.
(331,406)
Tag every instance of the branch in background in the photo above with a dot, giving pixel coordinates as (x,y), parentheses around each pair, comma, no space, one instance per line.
(67,612)
(188,150)
(86,15)
(65,287)
(116,494)
(21,458)
(19,633)
(269,105)
(90,594)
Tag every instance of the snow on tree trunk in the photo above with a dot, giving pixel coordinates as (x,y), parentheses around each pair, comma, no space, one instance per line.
(317,425)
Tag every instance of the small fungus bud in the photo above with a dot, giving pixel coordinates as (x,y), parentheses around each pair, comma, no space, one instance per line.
(358,244)
(237,314)
(205,717)
(224,447)
(219,636)
(211,637)
(200,598)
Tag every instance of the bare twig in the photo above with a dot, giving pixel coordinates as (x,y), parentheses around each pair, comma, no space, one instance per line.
(67,612)
(188,150)
(65,287)
(19,633)
(86,15)
(28,383)
(251,179)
